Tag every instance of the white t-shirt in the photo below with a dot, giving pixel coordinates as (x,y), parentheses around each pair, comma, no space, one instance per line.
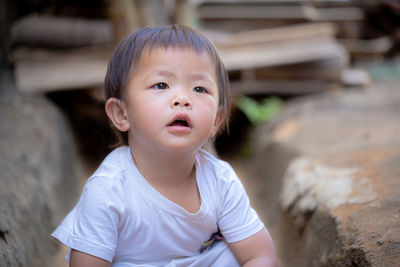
(121,218)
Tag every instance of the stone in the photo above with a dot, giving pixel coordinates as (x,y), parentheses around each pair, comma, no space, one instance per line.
(40,176)
(330,166)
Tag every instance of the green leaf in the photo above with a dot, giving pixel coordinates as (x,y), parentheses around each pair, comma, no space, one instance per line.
(258,112)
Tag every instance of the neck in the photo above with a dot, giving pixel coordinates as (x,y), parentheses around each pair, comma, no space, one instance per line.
(163,167)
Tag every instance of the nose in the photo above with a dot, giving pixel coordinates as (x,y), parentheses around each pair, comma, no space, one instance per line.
(181,101)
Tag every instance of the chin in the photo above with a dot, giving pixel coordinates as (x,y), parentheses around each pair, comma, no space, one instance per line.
(182,148)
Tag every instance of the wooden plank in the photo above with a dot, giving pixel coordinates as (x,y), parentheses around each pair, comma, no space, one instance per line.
(185,13)
(279,34)
(376,46)
(39,71)
(61,32)
(281,46)
(355,78)
(213,2)
(278,87)
(282,53)
(124,16)
(279,2)
(295,12)
(328,70)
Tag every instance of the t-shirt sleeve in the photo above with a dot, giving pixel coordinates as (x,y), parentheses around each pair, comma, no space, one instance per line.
(92,225)
(238,220)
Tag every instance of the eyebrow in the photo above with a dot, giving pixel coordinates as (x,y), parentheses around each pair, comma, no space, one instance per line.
(165,73)
(200,76)
(196,76)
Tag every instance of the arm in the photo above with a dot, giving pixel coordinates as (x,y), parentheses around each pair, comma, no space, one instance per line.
(80,259)
(257,250)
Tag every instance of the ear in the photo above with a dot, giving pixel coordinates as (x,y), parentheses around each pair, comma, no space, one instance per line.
(219,119)
(116,112)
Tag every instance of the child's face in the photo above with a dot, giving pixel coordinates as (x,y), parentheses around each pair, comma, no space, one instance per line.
(172,100)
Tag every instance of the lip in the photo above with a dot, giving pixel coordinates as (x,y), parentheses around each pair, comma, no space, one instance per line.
(180,128)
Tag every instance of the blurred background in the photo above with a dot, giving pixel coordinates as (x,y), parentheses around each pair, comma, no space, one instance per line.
(314,128)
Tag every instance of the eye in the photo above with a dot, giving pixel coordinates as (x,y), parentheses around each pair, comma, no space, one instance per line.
(160,86)
(200,89)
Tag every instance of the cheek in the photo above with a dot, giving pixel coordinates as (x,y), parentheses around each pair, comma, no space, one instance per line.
(146,114)
(207,116)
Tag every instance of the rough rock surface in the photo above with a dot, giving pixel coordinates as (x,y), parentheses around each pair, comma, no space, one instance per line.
(329,165)
(38,179)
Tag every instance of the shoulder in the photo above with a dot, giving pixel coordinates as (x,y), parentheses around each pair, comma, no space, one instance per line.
(221,175)
(114,168)
(209,162)
(114,163)
(216,172)
(107,183)
(209,159)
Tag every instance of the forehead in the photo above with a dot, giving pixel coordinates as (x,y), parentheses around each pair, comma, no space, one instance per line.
(175,56)
(148,51)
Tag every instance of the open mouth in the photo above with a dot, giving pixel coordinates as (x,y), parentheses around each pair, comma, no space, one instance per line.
(180,122)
